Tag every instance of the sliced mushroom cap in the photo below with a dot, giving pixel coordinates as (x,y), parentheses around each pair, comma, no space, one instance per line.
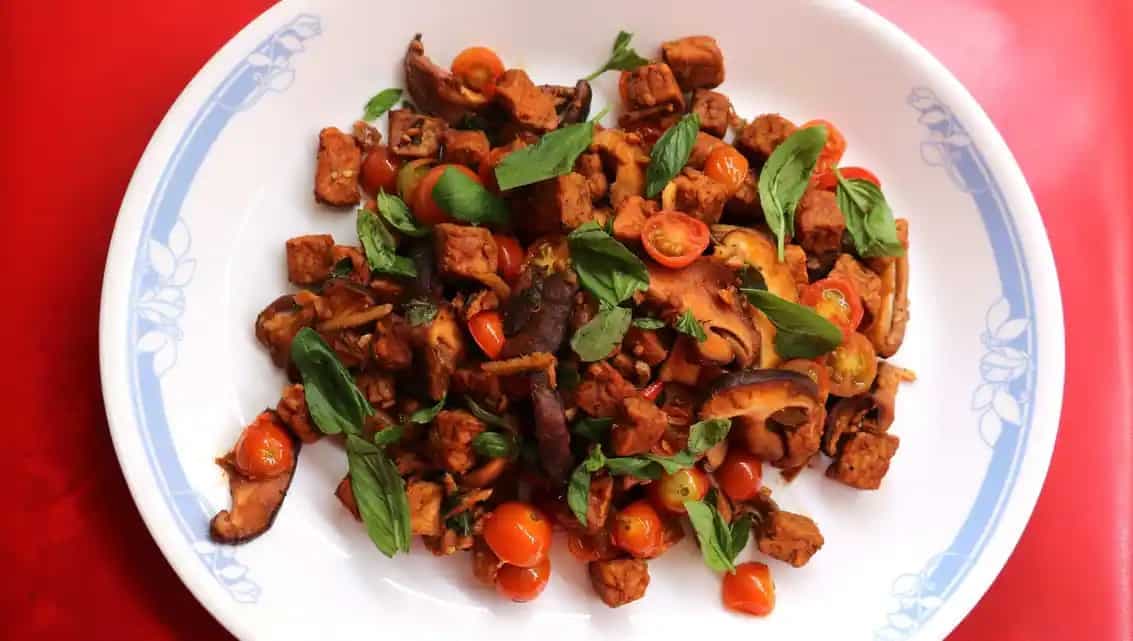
(571,103)
(887,331)
(254,503)
(870,412)
(551,434)
(435,90)
(538,315)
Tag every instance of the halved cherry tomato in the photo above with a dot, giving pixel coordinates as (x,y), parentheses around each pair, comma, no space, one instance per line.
(509,255)
(425,207)
(828,181)
(523,584)
(637,529)
(478,68)
(670,492)
(726,166)
(265,449)
(518,533)
(379,170)
(836,300)
(674,239)
(813,369)
(750,589)
(487,329)
(853,366)
(653,390)
(740,475)
(409,177)
(834,148)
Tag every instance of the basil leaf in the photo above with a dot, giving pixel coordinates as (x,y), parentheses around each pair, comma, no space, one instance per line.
(596,339)
(566,372)
(395,212)
(495,445)
(389,435)
(705,519)
(703,435)
(335,402)
(578,490)
(868,218)
(636,466)
(687,324)
(380,247)
(592,429)
(784,179)
(380,103)
(740,532)
(419,311)
(553,155)
(799,331)
(646,322)
(467,200)
(343,268)
(380,493)
(461,523)
(670,153)
(622,57)
(604,266)
(675,463)
(427,414)
(752,278)
(486,416)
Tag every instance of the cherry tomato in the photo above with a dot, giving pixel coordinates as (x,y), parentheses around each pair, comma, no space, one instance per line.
(671,491)
(740,475)
(379,170)
(487,328)
(834,148)
(828,181)
(637,529)
(815,370)
(653,390)
(510,256)
(425,207)
(409,178)
(750,590)
(726,166)
(836,300)
(518,533)
(265,449)
(487,169)
(478,68)
(523,584)
(853,366)
(674,239)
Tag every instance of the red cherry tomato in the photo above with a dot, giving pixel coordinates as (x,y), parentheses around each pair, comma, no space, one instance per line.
(670,492)
(815,370)
(425,208)
(637,529)
(653,390)
(379,170)
(852,365)
(834,148)
(265,449)
(836,300)
(726,166)
(487,328)
(510,256)
(487,169)
(828,181)
(750,590)
(518,533)
(674,239)
(523,584)
(478,68)
(740,475)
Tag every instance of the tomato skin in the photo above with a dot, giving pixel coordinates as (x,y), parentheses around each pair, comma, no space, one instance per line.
(740,475)
(815,370)
(379,170)
(674,239)
(487,329)
(518,533)
(853,366)
(509,255)
(836,300)
(653,390)
(478,68)
(523,584)
(751,590)
(425,207)
(637,529)
(727,166)
(829,181)
(409,177)
(671,491)
(834,148)
(265,449)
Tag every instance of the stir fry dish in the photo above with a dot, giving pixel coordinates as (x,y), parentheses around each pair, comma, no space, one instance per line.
(548,324)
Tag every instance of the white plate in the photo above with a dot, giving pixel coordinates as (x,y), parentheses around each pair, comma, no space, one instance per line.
(198,250)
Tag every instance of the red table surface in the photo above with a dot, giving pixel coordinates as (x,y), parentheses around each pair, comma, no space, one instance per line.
(86,83)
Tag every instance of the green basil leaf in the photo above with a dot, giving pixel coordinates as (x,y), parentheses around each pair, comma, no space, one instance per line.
(380,493)
(622,57)
(553,155)
(380,103)
(389,435)
(335,402)
(395,212)
(419,311)
(868,218)
(687,324)
(596,339)
(566,372)
(704,519)
(592,429)
(486,416)
(703,435)
(343,268)
(670,464)
(636,466)
(467,200)
(670,153)
(800,331)
(605,267)
(461,523)
(740,532)
(646,322)
(380,247)
(427,414)
(578,490)
(495,445)
(784,179)
(752,278)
